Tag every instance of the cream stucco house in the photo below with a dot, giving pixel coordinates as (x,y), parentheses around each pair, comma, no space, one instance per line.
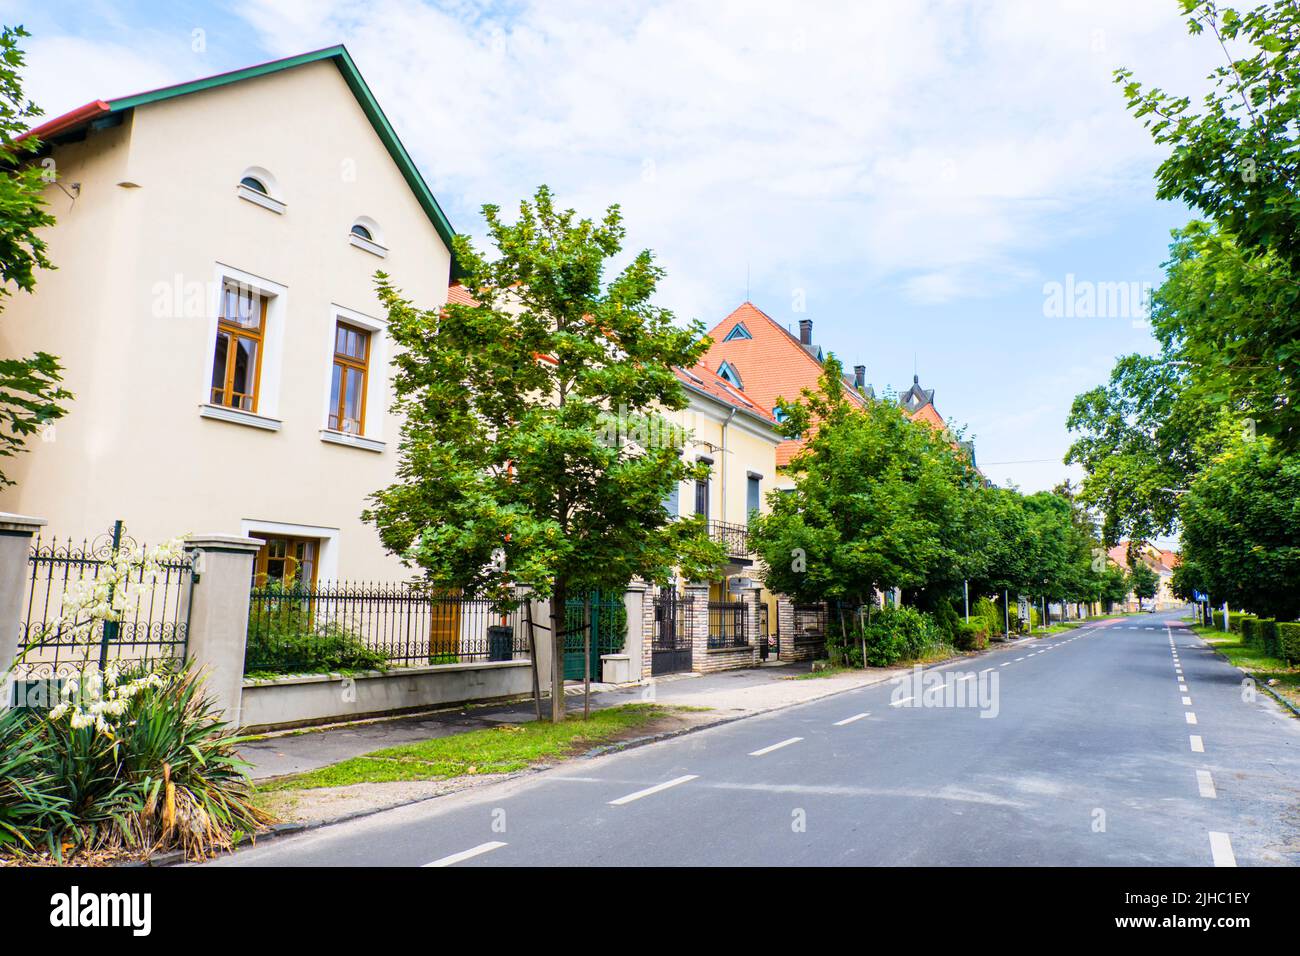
(215,310)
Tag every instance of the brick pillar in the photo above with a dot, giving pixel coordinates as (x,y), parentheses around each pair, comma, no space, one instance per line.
(698,623)
(648,625)
(753,598)
(219,615)
(785,626)
(16,533)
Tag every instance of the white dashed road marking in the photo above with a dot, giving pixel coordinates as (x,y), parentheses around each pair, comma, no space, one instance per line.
(1205,783)
(1187,702)
(899,703)
(468,854)
(1198,746)
(1191,717)
(1221,849)
(768,750)
(849,720)
(655,789)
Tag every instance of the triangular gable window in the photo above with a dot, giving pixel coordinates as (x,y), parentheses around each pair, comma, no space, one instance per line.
(725,371)
(738,331)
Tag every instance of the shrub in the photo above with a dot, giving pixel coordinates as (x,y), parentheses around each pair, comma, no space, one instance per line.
(972,636)
(1266,636)
(143,762)
(1288,639)
(1236,622)
(1248,637)
(990,613)
(30,804)
(899,633)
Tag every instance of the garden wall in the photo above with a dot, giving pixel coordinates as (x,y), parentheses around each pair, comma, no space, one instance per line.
(282,702)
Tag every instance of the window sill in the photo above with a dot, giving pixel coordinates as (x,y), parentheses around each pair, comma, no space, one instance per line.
(238,416)
(352,441)
(261,199)
(369,245)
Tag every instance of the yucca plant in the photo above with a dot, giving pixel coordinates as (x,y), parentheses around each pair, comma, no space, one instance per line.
(30,805)
(184,766)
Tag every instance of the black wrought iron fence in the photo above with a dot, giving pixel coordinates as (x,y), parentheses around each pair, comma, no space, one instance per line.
(809,624)
(57,637)
(340,627)
(727,624)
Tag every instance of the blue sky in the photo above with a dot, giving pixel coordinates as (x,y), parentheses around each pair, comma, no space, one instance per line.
(916,171)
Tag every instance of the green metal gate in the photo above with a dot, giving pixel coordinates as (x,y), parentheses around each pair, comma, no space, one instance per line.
(608,632)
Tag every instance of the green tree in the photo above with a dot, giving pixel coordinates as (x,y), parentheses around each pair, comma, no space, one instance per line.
(30,394)
(877,502)
(1141,580)
(531,453)
(1240,541)
(1235,160)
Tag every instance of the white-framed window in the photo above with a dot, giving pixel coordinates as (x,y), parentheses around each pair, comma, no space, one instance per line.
(258,186)
(356,380)
(310,552)
(244,346)
(365,234)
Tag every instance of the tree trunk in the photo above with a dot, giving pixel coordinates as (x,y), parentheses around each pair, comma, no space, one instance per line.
(558,599)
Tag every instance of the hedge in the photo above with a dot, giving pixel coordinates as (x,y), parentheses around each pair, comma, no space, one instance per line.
(1266,636)
(1235,622)
(1288,639)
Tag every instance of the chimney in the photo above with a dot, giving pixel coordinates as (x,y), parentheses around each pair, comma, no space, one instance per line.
(805,331)
(859,376)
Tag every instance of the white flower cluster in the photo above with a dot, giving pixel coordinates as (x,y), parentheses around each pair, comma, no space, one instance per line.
(125,578)
(100,700)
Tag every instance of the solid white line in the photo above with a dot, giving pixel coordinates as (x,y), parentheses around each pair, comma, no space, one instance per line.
(1191,718)
(768,750)
(1198,745)
(849,720)
(1187,702)
(655,789)
(899,703)
(467,854)
(1221,849)
(1205,783)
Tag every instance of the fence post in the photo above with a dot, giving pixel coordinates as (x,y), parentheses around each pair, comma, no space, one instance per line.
(219,615)
(634,599)
(15,550)
(753,598)
(697,629)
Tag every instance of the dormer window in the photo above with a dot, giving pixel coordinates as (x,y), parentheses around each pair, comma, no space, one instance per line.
(728,373)
(259,187)
(365,234)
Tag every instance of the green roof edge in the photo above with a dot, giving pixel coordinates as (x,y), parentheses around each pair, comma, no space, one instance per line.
(369,105)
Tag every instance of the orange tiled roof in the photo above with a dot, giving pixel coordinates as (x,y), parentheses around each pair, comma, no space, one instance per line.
(771,364)
(459,295)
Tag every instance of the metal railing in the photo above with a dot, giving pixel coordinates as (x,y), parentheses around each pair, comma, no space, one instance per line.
(727,624)
(52,642)
(339,627)
(809,624)
(734,538)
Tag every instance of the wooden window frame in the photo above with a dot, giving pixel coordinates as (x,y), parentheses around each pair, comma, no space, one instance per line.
(347,362)
(234,331)
(263,557)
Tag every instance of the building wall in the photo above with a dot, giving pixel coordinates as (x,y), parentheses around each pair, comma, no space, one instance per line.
(131,312)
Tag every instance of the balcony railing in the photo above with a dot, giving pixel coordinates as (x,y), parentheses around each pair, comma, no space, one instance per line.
(733,537)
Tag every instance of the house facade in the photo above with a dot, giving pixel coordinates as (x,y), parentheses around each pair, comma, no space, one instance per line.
(1161,561)
(214,308)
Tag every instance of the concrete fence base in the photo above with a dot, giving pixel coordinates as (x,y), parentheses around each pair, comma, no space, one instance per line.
(298,701)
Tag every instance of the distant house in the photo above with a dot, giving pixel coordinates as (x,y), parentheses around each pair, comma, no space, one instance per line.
(1161,561)
(753,352)
(214,306)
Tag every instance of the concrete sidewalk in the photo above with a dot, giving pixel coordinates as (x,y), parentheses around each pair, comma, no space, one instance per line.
(728,695)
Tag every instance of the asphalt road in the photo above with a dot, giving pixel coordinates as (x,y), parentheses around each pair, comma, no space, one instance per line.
(1127,743)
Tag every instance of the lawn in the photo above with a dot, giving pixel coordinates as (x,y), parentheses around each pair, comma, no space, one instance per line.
(1255,662)
(494,750)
